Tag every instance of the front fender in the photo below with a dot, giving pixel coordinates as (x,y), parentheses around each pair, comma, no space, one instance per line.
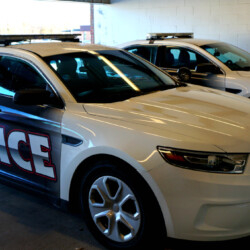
(70,164)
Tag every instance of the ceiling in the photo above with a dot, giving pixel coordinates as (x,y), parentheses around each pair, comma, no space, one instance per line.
(90,1)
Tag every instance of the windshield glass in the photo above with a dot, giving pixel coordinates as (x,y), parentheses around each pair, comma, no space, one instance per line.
(108,76)
(233,57)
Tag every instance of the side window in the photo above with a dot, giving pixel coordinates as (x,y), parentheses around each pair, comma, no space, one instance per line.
(146,52)
(17,75)
(181,57)
(176,53)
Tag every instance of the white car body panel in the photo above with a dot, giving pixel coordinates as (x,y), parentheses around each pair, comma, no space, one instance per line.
(146,115)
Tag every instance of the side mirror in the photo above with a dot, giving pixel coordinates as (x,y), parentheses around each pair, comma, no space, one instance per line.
(32,97)
(184,74)
(207,68)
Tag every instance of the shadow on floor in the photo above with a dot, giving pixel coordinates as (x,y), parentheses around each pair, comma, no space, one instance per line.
(30,222)
(243,243)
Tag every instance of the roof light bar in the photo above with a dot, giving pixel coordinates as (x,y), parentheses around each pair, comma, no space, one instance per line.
(8,39)
(162,36)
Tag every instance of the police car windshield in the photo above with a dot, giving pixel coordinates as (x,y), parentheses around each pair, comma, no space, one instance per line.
(108,76)
(233,57)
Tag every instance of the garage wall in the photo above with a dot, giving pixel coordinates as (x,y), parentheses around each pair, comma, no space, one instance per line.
(125,20)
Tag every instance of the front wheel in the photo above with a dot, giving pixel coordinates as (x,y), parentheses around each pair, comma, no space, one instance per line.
(119,209)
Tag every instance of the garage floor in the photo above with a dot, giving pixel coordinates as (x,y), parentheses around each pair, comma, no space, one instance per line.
(28,222)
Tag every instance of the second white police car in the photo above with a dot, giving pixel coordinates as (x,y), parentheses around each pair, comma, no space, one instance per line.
(208,63)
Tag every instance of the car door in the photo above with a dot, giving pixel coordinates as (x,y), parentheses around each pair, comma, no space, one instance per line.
(203,72)
(30,135)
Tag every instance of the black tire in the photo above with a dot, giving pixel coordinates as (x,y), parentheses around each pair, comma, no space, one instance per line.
(149,230)
(184,74)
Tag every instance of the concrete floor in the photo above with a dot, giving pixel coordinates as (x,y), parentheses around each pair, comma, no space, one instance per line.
(28,222)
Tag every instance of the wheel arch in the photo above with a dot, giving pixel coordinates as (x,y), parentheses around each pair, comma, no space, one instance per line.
(86,164)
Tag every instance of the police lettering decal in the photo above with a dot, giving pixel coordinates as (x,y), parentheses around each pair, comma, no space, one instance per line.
(39,148)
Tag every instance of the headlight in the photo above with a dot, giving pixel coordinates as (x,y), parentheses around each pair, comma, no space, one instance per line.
(205,161)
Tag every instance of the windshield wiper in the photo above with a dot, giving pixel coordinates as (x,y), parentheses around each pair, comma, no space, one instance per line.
(180,84)
(120,96)
(246,68)
(102,95)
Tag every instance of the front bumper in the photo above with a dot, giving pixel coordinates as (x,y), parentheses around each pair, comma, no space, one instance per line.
(204,206)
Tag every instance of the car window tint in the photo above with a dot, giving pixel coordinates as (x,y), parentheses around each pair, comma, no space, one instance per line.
(106,76)
(146,52)
(233,57)
(181,57)
(17,75)
(175,52)
(142,78)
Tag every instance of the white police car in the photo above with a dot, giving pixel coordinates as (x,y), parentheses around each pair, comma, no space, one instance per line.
(208,63)
(143,156)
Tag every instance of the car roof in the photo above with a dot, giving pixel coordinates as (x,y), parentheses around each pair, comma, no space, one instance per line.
(55,48)
(194,41)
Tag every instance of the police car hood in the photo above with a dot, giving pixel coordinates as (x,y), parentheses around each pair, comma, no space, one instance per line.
(201,114)
(244,73)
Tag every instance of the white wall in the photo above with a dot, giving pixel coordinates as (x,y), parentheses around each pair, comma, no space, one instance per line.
(126,20)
